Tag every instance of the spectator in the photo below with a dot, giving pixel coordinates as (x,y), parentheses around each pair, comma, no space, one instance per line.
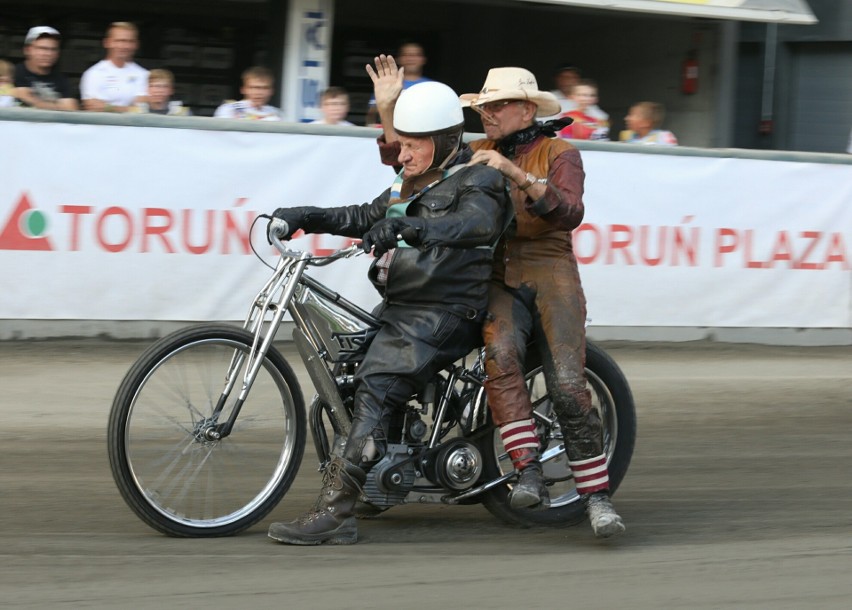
(114,83)
(567,75)
(257,91)
(6,98)
(38,82)
(643,125)
(411,59)
(334,104)
(161,87)
(584,125)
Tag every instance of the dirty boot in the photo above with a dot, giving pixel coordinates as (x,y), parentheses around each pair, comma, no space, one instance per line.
(605,521)
(332,520)
(530,490)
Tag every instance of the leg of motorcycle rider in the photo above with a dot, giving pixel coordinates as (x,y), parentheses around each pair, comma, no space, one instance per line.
(398,362)
(506,333)
(522,445)
(561,338)
(331,520)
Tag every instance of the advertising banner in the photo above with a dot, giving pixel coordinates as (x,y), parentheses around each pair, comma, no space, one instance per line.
(101,222)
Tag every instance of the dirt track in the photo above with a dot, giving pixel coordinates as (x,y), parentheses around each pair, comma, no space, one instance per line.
(739,496)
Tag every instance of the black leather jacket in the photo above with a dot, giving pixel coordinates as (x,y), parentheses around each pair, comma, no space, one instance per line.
(464,215)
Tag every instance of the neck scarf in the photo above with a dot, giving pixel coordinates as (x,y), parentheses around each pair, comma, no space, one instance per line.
(507,145)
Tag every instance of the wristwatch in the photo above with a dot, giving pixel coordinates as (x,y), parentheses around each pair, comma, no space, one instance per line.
(530,180)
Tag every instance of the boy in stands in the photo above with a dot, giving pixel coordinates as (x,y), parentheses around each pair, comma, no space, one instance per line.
(586,125)
(161,87)
(334,104)
(257,91)
(643,125)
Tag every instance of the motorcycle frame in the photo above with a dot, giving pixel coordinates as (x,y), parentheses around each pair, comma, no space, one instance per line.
(263,320)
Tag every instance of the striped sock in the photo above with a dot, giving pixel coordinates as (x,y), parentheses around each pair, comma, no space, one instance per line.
(519,434)
(520,442)
(590,475)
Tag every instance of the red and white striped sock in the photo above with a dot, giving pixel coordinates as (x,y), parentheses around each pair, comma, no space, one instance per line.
(590,475)
(520,442)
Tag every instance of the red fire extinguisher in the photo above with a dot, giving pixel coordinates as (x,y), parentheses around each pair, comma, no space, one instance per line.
(689,77)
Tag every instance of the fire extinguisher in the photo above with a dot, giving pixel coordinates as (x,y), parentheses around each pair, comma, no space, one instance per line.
(689,77)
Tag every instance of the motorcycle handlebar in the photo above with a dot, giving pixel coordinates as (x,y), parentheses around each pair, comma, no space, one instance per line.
(313,260)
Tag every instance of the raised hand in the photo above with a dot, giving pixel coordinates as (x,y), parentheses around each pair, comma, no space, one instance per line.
(387,80)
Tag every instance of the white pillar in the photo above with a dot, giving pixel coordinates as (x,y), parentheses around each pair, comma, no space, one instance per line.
(307,58)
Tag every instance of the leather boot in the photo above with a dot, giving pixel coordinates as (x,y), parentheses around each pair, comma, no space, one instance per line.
(605,521)
(332,519)
(530,490)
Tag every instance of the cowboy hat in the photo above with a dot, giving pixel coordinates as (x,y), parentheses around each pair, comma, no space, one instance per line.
(513,84)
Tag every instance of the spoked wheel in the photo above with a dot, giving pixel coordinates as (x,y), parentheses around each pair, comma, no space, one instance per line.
(166,460)
(612,398)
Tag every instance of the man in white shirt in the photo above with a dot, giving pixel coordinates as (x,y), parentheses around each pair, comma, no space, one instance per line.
(112,84)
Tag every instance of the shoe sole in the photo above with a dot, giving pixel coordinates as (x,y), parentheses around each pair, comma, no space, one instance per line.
(302,541)
(339,536)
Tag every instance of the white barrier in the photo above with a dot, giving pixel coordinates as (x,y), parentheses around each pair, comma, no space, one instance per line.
(123,222)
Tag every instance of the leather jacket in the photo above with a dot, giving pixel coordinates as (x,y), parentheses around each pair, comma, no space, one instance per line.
(464,216)
(542,228)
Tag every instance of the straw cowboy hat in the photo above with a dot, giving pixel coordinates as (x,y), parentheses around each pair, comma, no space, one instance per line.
(513,84)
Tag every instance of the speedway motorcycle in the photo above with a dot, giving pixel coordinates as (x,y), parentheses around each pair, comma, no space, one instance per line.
(209,426)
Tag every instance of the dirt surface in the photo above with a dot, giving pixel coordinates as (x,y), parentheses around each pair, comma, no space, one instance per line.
(739,496)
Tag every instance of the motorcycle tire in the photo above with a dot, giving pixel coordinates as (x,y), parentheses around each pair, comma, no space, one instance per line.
(611,395)
(175,478)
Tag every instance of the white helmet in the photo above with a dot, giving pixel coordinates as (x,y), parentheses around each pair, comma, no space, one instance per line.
(427,109)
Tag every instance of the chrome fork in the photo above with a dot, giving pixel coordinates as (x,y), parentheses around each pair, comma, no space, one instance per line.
(271,301)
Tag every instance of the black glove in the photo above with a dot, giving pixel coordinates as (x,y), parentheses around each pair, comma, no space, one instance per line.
(286,221)
(385,234)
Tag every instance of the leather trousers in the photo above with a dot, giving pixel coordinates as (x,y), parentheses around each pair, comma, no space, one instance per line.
(549,309)
(413,344)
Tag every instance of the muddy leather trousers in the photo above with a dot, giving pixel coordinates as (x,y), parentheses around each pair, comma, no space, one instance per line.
(413,344)
(548,308)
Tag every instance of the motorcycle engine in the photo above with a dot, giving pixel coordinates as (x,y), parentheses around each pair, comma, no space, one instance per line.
(389,481)
(455,465)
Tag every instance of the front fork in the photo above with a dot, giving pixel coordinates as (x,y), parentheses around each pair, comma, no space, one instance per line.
(270,303)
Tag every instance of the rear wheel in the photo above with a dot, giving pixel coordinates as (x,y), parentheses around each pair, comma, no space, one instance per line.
(169,470)
(612,398)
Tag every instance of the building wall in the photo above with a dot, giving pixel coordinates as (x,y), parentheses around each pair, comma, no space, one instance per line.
(811,90)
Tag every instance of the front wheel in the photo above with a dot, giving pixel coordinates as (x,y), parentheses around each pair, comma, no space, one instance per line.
(612,398)
(170,470)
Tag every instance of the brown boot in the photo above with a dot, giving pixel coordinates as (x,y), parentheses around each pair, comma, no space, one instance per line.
(332,519)
(530,490)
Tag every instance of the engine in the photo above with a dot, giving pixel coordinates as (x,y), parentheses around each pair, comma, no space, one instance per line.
(390,480)
(455,465)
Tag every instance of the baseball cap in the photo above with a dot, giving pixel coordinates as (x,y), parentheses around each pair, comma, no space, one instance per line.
(39,31)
